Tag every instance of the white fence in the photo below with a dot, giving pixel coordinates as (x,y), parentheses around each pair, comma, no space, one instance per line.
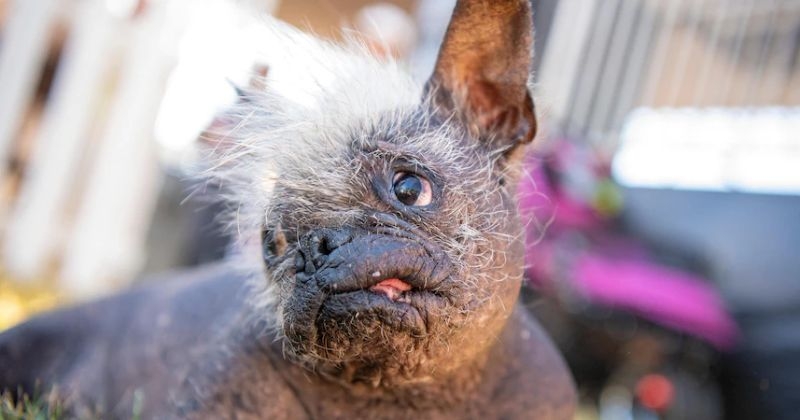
(606,57)
(78,200)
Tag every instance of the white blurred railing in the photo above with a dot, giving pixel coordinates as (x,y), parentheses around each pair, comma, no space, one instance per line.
(90,172)
(606,57)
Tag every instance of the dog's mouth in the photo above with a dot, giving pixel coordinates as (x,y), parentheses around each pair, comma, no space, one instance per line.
(397,281)
(393,288)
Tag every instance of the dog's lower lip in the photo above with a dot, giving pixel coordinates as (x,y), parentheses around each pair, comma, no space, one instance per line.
(401,314)
(388,281)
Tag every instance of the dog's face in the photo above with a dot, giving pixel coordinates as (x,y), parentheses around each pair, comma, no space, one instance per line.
(391,240)
(401,251)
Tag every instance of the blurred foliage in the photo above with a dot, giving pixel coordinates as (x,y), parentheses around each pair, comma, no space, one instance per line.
(608,198)
(18,302)
(45,407)
(50,407)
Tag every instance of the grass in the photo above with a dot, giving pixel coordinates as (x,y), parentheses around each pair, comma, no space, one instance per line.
(41,407)
(49,407)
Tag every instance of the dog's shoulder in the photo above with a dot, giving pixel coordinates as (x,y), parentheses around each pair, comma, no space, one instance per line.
(139,341)
(533,381)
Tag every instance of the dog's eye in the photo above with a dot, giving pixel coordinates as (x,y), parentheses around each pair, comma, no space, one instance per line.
(411,189)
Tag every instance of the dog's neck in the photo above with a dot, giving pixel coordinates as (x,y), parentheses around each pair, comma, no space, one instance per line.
(321,389)
(455,377)
(257,359)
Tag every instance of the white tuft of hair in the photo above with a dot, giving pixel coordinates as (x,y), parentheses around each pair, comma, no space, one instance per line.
(316,97)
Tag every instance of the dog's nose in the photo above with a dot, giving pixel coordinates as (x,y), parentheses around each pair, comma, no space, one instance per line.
(330,239)
(317,245)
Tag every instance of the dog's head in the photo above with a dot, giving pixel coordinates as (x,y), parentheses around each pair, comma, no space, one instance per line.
(390,237)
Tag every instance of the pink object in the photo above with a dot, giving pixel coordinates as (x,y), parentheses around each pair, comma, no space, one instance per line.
(668,297)
(607,269)
(538,199)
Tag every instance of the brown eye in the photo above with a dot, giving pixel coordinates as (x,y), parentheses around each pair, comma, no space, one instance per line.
(411,189)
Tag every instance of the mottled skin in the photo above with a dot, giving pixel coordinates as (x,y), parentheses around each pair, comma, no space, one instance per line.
(313,336)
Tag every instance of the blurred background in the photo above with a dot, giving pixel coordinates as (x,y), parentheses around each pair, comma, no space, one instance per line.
(663,202)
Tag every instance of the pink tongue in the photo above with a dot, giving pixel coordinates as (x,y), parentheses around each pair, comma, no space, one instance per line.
(392,288)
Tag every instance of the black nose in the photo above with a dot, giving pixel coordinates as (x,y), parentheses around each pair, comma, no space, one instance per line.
(316,245)
(331,239)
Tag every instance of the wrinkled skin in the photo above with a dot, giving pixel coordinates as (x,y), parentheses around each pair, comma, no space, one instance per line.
(377,298)
(460,287)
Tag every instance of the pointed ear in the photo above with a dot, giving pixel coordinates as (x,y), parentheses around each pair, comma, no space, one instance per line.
(481,75)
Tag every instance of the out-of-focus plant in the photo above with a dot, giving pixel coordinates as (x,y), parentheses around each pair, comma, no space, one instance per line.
(19,302)
(42,407)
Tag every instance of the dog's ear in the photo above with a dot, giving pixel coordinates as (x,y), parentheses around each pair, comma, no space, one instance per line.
(481,75)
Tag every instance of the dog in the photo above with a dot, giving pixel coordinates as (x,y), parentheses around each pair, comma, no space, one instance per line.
(390,259)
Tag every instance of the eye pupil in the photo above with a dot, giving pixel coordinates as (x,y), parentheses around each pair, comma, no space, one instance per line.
(407,189)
